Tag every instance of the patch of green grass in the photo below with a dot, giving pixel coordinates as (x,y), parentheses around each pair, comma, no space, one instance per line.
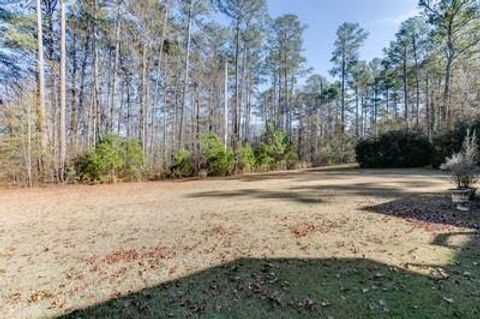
(316,288)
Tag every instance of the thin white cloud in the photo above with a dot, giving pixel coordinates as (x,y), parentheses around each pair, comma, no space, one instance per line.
(397,20)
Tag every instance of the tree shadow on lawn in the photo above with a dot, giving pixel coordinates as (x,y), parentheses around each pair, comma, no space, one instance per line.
(366,189)
(300,197)
(316,194)
(405,183)
(338,172)
(316,288)
(303,174)
(323,288)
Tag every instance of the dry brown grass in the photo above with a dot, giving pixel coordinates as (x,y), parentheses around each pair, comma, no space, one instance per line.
(72,247)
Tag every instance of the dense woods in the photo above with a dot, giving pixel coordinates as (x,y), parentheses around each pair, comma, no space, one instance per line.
(184,84)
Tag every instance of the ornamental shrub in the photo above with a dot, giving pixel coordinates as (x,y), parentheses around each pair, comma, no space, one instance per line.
(462,166)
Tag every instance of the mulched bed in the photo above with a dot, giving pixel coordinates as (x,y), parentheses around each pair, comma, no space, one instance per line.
(430,211)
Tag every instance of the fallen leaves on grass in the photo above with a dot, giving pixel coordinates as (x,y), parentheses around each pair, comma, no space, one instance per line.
(16,298)
(57,304)
(39,295)
(272,296)
(268,285)
(131,255)
(122,256)
(305,228)
(159,252)
(226,235)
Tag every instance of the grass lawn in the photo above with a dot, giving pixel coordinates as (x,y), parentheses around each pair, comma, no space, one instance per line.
(328,243)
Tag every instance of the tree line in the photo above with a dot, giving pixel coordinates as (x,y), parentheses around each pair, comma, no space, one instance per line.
(167,72)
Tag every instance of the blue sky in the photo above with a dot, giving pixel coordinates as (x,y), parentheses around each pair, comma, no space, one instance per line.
(380,17)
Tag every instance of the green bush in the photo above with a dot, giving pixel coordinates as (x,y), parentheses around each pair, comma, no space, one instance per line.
(264,161)
(133,162)
(105,160)
(112,158)
(182,164)
(275,151)
(217,161)
(394,149)
(291,157)
(246,158)
(77,170)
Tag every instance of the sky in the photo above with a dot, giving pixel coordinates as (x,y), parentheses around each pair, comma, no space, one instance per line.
(381,18)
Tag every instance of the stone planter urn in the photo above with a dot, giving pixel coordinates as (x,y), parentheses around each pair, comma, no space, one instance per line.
(462,197)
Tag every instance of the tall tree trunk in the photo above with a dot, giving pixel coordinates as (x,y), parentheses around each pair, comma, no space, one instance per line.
(285,84)
(82,85)
(405,87)
(225,110)
(186,75)
(375,105)
(129,107)
(357,116)
(28,150)
(417,80)
(157,85)
(50,6)
(93,108)
(289,111)
(41,121)
(427,104)
(143,99)
(236,110)
(63,90)
(73,89)
(120,111)
(241,132)
(343,92)
(248,108)
(165,109)
(362,104)
(446,91)
(115,69)
(197,128)
(279,108)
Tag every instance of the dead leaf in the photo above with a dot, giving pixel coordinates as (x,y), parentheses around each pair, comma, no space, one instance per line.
(40,295)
